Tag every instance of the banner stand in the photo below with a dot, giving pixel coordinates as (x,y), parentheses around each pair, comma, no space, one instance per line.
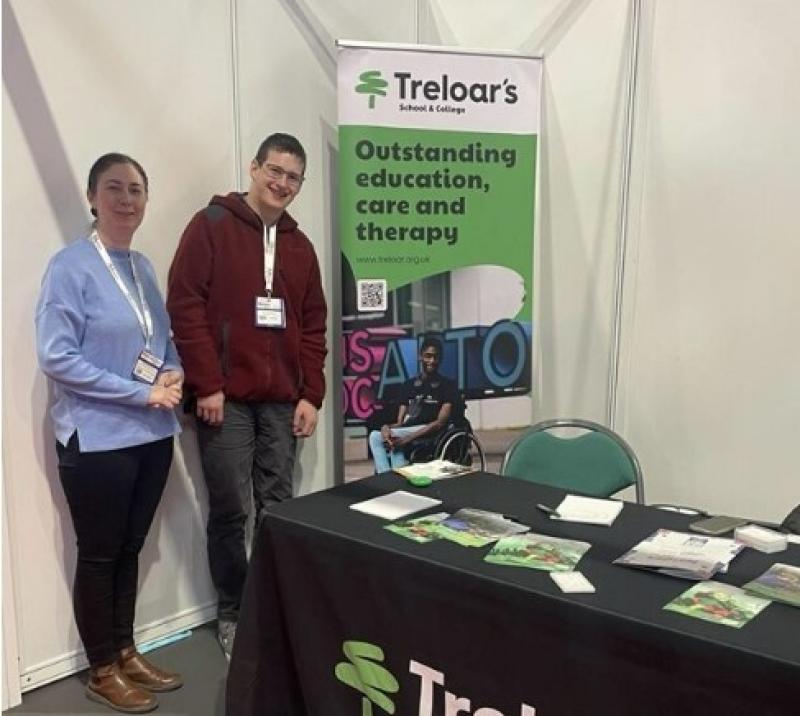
(438,151)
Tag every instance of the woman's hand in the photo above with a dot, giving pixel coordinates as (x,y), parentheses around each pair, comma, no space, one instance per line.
(170,377)
(163,396)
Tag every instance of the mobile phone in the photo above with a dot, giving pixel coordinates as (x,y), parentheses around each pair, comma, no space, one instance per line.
(717,525)
(792,521)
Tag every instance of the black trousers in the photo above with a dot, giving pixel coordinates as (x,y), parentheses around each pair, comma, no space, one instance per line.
(112,497)
(247,462)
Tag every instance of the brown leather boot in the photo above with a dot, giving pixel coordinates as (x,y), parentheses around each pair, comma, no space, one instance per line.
(109,686)
(145,674)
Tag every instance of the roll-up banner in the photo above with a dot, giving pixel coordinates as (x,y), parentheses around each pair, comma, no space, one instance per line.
(437,186)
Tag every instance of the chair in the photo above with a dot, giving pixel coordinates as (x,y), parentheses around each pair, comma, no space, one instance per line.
(457,442)
(597,462)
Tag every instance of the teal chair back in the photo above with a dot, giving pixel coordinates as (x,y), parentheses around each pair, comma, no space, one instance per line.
(597,462)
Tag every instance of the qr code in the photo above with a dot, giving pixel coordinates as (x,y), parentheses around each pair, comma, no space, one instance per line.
(371,294)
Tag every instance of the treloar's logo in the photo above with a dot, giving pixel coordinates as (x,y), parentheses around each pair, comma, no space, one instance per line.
(372,83)
(445,89)
(441,89)
(363,673)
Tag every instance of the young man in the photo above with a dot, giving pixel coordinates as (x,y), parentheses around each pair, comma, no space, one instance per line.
(426,402)
(248,315)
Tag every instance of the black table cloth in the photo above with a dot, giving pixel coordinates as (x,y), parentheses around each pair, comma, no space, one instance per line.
(435,630)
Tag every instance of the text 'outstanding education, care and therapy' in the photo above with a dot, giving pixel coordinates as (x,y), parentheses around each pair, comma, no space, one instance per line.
(438,178)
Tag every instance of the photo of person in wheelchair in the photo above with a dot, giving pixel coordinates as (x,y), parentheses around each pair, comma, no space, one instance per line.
(427,402)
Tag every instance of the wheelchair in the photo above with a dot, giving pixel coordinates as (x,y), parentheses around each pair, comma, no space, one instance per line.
(456,442)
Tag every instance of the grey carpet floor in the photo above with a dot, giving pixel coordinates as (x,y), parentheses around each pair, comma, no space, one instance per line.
(198,658)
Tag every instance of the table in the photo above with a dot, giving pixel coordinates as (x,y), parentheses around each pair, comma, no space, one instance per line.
(458,636)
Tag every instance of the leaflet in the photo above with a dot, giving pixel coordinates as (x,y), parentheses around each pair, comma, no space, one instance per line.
(535,551)
(780,582)
(435,469)
(680,554)
(719,603)
(419,529)
(475,528)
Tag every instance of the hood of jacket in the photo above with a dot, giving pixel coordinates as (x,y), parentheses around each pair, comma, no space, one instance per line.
(236,204)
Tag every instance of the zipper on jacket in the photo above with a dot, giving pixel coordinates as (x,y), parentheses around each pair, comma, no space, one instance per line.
(224,353)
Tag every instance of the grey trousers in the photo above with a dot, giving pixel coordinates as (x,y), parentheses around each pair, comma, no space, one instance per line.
(248,460)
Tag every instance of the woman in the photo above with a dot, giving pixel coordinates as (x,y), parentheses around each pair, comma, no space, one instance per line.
(103,339)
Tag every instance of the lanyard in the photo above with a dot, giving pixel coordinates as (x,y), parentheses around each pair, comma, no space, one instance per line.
(270,241)
(143,314)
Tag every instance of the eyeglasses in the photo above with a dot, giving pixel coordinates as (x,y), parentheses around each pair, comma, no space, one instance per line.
(278,173)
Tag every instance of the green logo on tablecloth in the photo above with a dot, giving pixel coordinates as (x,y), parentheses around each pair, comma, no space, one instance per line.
(372,84)
(365,675)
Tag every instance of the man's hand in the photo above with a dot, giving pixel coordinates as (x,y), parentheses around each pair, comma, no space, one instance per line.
(399,442)
(164,396)
(305,419)
(388,438)
(211,408)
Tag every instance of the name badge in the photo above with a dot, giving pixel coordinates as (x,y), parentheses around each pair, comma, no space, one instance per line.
(147,367)
(270,312)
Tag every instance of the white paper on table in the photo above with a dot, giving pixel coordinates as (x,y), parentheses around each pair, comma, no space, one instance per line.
(395,505)
(572,582)
(589,510)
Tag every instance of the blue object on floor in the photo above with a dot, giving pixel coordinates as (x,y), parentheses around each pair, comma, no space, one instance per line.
(163,641)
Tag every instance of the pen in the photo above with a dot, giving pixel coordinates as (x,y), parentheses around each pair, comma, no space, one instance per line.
(552,512)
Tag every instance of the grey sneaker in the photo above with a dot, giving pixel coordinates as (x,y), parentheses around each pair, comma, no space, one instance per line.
(226,633)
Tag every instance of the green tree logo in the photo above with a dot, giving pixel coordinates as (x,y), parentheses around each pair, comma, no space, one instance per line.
(372,83)
(362,673)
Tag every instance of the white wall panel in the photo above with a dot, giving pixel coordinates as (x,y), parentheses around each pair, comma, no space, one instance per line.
(711,389)
(585,74)
(584,45)
(503,25)
(364,20)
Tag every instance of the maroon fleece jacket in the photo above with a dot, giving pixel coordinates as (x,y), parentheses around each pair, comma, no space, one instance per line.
(217,272)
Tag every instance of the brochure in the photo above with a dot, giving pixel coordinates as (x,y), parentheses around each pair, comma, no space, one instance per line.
(719,603)
(780,582)
(535,551)
(475,528)
(419,529)
(395,505)
(435,469)
(681,554)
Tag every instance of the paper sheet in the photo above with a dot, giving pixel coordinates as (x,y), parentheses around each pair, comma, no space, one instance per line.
(395,505)
(589,510)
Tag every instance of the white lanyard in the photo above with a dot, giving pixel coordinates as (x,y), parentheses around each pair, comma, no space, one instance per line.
(270,240)
(143,314)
